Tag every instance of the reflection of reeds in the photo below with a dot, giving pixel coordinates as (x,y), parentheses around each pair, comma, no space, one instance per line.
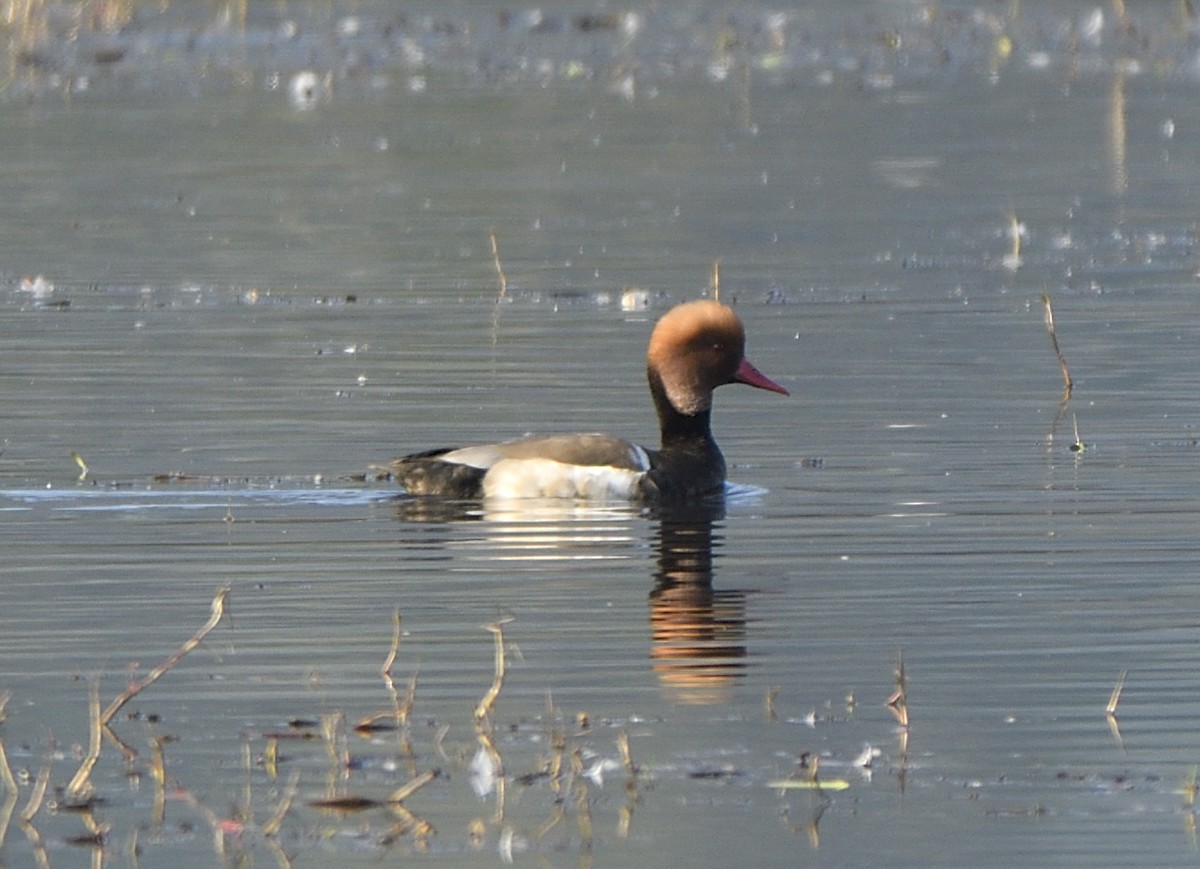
(1111,709)
(30,26)
(27,22)
(898,702)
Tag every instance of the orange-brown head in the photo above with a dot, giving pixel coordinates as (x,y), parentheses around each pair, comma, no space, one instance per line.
(696,347)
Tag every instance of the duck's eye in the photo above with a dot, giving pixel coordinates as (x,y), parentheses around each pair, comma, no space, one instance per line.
(719,347)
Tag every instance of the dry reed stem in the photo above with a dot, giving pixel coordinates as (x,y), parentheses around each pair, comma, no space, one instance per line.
(247,804)
(1115,697)
(218,610)
(6,813)
(158,771)
(716,280)
(10,783)
(503,286)
(406,706)
(407,822)
(215,824)
(337,751)
(560,812)
(439,740)
(405,791)
(485,741)
(282,860)
(271,757)
(400,711)
(625,820)
(271,827)
(1114,728)
(98,830)
(898,702)
(83,467)
(1062,361)
(35,842)
(38,794)
(158,760)
(127,751)
(626,753)
(386,669)
(484,709)
(80,781)
(554,771)
(499,268)
(583,813)
(1014,234)
(99,721)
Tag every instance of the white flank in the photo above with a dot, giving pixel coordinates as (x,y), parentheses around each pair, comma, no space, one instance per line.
(543,478)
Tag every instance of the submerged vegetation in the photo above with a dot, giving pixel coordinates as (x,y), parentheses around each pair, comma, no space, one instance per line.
(305,785)
(569,769)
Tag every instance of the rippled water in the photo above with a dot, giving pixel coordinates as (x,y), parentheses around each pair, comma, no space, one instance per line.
(245,304)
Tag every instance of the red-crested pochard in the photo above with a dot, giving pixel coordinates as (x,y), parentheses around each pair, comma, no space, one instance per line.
(695,347)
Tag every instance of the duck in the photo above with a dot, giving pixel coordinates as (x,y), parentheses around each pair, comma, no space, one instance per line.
(694,348)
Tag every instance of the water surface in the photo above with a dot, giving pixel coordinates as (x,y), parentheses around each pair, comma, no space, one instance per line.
(247,302)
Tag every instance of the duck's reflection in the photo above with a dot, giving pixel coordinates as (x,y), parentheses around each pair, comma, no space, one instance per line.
(698,633)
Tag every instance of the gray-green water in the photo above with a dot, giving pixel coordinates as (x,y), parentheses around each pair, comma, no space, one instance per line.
(255,301)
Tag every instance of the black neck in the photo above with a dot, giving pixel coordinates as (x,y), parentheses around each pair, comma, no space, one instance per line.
(676,428)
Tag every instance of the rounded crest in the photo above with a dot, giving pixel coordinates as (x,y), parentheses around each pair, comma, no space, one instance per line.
(696,347)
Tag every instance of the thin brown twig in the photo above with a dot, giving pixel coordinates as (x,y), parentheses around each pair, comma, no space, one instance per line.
(399,713)
(218,610)
(99,721)
(484,709)
(386,670)
(80,782)
(1062,361)
(407,790)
